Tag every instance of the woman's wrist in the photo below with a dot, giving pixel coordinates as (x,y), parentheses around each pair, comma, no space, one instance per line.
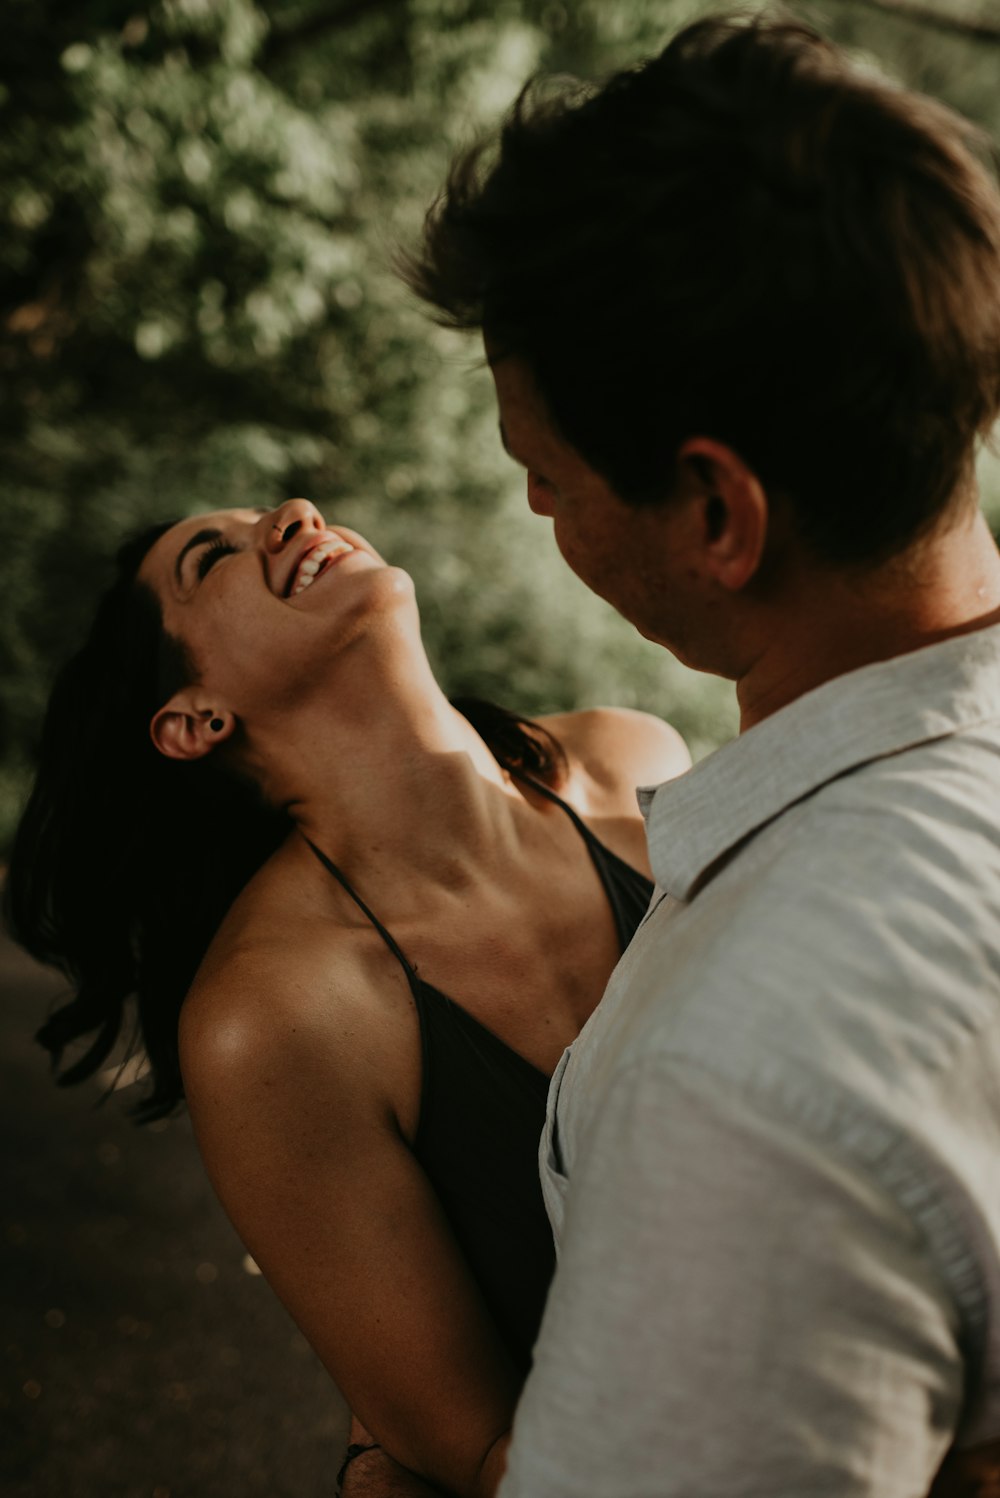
(372,1473)
(356,1449)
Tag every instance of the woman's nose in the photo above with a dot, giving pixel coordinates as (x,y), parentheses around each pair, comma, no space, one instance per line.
(282,524)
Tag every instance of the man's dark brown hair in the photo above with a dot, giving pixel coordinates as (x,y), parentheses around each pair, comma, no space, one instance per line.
(751,239)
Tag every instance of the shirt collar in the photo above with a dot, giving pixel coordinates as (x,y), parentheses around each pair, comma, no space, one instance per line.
(865,715)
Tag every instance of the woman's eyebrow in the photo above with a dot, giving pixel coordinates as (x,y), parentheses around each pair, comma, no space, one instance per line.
(210,533)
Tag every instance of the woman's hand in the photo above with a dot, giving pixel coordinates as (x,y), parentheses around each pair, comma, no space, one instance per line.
(374,1474)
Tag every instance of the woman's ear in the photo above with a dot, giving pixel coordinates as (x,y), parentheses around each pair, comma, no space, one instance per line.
(735,511)
(182,730)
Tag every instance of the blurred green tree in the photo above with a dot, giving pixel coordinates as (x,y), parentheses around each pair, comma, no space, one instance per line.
(201,201)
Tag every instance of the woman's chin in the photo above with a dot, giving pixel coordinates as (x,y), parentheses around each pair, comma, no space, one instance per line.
(376,596)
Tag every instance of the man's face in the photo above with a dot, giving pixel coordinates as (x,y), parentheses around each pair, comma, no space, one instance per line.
(641,560)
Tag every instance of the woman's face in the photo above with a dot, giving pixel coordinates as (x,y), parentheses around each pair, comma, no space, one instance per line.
(264,599)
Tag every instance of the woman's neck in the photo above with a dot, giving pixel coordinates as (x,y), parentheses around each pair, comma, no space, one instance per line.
(387,778)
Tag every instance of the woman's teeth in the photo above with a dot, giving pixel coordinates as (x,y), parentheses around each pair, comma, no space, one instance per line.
(313,564)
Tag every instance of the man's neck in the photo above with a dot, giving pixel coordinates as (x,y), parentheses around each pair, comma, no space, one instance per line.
(829,622)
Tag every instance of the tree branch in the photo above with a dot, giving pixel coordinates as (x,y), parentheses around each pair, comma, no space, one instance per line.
(926,15)
(283,38)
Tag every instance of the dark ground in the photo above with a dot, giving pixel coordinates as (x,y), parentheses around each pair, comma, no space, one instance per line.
(140,1357)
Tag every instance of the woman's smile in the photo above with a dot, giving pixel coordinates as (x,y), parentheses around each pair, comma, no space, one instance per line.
(316,558)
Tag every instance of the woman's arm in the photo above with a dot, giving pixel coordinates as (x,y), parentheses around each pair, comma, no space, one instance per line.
(292,1089)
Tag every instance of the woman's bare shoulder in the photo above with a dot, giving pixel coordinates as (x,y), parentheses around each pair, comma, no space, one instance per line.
(282,988)
(258,1004)
(618,748)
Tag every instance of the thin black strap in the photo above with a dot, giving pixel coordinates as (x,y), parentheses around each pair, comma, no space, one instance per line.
(385,934)
(585,832)
(603,858)
(599,855)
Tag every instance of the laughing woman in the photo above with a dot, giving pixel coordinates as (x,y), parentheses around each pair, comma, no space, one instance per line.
(385,919)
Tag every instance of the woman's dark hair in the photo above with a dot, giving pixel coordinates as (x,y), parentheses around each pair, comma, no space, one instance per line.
(746,238)
(125,863)
(518,744)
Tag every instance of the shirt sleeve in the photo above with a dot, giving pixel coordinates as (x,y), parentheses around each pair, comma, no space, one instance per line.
(736,1312)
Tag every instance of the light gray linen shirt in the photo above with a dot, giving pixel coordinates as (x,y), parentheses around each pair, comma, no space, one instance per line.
(772,1158)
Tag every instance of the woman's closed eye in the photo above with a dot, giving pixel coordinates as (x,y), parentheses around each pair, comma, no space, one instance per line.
(211,554)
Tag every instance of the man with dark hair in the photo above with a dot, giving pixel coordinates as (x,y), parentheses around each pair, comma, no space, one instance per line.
(742,306)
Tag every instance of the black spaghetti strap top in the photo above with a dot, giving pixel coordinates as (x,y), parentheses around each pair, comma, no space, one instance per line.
(481,1116)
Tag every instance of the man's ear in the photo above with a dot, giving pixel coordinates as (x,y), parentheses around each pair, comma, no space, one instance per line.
(183,730)
(734,510)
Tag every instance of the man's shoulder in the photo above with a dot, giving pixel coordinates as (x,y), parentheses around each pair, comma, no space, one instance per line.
(872,851)
(857,939)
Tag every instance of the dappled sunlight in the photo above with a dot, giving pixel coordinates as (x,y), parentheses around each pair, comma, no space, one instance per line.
(203,311)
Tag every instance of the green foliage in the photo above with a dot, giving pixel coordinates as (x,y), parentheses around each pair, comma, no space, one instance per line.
(201,201)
